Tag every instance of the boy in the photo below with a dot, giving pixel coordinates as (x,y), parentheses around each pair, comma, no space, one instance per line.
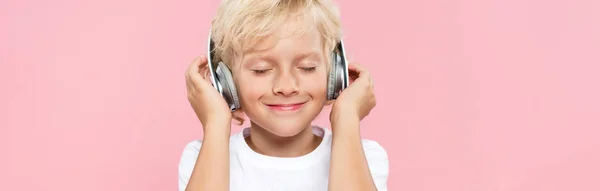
(278,52)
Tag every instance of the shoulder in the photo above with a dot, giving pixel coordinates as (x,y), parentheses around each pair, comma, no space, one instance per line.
(377,159)
(373,148)
(193,145)
(189,155)
(376,154)
(187,162)
(190,152)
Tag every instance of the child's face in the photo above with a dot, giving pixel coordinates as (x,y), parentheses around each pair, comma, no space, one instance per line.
(282,83)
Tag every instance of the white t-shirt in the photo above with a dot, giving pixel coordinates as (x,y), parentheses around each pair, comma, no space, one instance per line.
(251,171)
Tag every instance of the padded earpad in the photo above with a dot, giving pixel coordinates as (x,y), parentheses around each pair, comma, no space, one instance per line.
(333,76)
(229,92)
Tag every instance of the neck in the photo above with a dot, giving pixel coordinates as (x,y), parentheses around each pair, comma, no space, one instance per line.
(267,143)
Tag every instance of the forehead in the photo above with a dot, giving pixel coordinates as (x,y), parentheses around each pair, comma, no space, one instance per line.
(289,35)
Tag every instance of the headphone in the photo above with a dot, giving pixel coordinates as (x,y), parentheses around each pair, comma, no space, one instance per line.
(222,80)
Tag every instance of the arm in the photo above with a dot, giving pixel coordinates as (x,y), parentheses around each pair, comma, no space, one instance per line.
(211,170)
(349,169)
(355,165)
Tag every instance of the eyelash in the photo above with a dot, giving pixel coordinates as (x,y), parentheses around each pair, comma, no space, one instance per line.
(307,69)
(260,71)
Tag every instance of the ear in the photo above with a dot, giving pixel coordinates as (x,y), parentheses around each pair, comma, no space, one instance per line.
(239,116)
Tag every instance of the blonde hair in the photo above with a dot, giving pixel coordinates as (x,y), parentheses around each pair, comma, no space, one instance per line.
(240,24)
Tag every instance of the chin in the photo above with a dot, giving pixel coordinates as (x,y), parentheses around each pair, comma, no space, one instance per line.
(286,128)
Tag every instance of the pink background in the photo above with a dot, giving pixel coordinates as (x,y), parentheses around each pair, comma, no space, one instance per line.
(472,95)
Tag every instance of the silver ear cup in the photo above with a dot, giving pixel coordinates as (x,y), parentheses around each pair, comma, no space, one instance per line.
(332,80)
(339,78)
(229,92)
(221,78)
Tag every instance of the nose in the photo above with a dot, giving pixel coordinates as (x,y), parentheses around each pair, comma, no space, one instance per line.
(285,84)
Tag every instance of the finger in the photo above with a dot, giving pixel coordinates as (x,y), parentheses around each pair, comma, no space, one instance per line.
(205,71)
(189,82)
(189,67)
(194,68)
(358,73)
(357,69)
(352,72)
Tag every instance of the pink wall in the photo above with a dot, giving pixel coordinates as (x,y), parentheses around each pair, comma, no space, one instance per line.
(473,95)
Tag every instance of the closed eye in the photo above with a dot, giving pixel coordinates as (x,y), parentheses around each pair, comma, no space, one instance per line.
(308,69)
(260,71)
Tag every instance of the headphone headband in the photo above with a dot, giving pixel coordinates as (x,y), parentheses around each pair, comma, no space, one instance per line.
(210,60)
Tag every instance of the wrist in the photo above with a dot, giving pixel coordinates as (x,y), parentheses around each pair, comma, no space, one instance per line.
(222,129)
(340,114)
(345,122)
(346,129)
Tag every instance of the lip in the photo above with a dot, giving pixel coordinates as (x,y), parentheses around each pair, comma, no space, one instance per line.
(286,106)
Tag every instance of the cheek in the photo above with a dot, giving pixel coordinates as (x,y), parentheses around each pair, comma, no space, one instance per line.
(316,85)
(250,88)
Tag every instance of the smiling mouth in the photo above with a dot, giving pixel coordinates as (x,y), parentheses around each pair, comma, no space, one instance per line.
(286,107)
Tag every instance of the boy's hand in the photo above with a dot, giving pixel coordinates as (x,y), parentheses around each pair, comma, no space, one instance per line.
(349,163)
(210,107)
(357,100)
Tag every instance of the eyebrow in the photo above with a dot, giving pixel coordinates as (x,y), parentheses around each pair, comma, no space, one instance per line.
(305,55)
(257,56)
